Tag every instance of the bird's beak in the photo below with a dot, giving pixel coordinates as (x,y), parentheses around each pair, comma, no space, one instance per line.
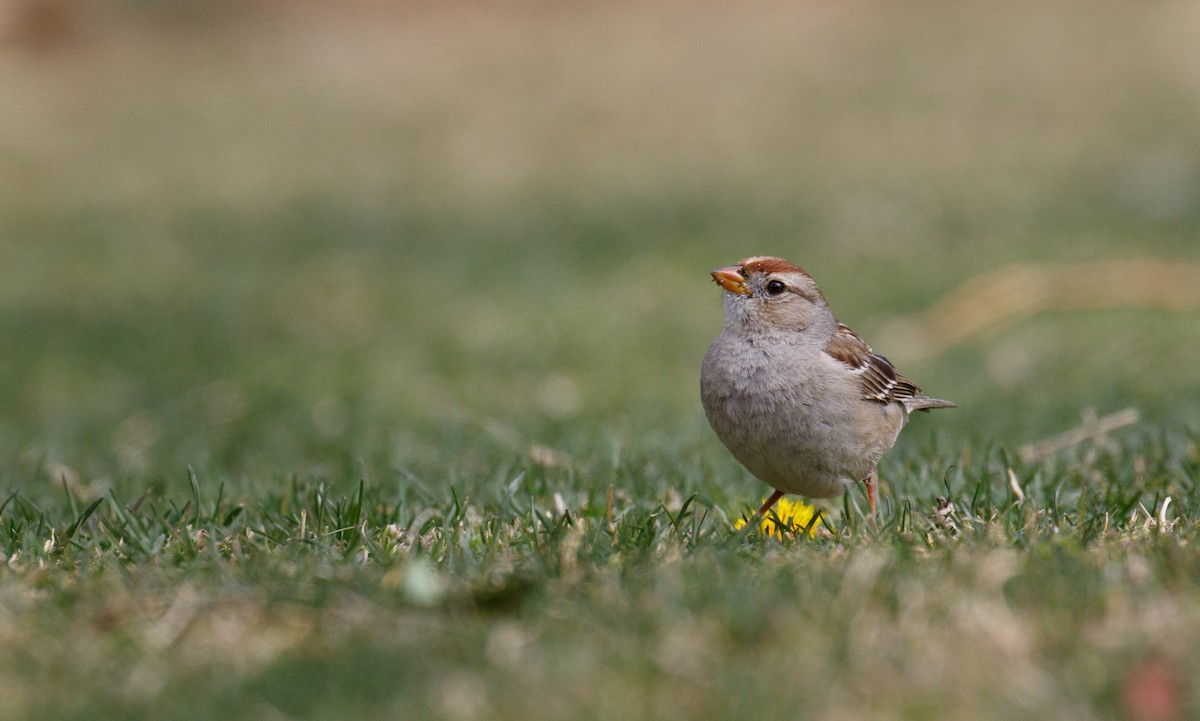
(731,280)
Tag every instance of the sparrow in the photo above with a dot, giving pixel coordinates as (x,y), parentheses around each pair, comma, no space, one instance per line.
(797,397)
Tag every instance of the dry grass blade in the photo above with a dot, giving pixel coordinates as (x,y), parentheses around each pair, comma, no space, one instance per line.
(995,300)
(1093,428)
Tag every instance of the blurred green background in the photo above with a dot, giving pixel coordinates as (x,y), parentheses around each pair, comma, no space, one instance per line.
(268,238)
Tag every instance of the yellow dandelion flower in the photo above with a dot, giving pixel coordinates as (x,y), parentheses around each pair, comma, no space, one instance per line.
(797,516)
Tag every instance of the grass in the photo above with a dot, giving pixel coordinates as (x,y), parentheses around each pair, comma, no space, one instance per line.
(519,595)
(350,363)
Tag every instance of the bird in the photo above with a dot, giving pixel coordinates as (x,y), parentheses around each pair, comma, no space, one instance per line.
(795,395)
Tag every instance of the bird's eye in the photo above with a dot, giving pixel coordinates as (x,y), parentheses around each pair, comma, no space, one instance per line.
(775,287)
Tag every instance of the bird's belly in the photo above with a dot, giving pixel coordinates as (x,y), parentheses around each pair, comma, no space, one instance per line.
(796,441)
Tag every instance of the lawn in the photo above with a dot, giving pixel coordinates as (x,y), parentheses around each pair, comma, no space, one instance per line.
(349,360)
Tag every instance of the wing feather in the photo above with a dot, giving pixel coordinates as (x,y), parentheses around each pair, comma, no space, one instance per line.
(880,381)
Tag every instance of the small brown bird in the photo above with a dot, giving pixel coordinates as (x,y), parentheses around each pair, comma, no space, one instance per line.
(797,397)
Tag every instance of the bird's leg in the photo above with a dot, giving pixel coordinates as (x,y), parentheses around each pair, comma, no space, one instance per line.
(762,511)
(871,481)
(766,506)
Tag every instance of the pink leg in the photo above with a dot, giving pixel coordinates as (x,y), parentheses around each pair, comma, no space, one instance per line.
(766,506)
(762,511)
(871,481)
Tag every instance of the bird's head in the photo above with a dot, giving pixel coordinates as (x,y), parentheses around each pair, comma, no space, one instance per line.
(763,293)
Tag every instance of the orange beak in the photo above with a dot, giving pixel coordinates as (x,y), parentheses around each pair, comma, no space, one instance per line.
(731,279)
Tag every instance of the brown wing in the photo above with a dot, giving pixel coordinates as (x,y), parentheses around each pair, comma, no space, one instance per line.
(880,381)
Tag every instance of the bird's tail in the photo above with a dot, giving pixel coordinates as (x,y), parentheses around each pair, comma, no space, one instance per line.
(925,403)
